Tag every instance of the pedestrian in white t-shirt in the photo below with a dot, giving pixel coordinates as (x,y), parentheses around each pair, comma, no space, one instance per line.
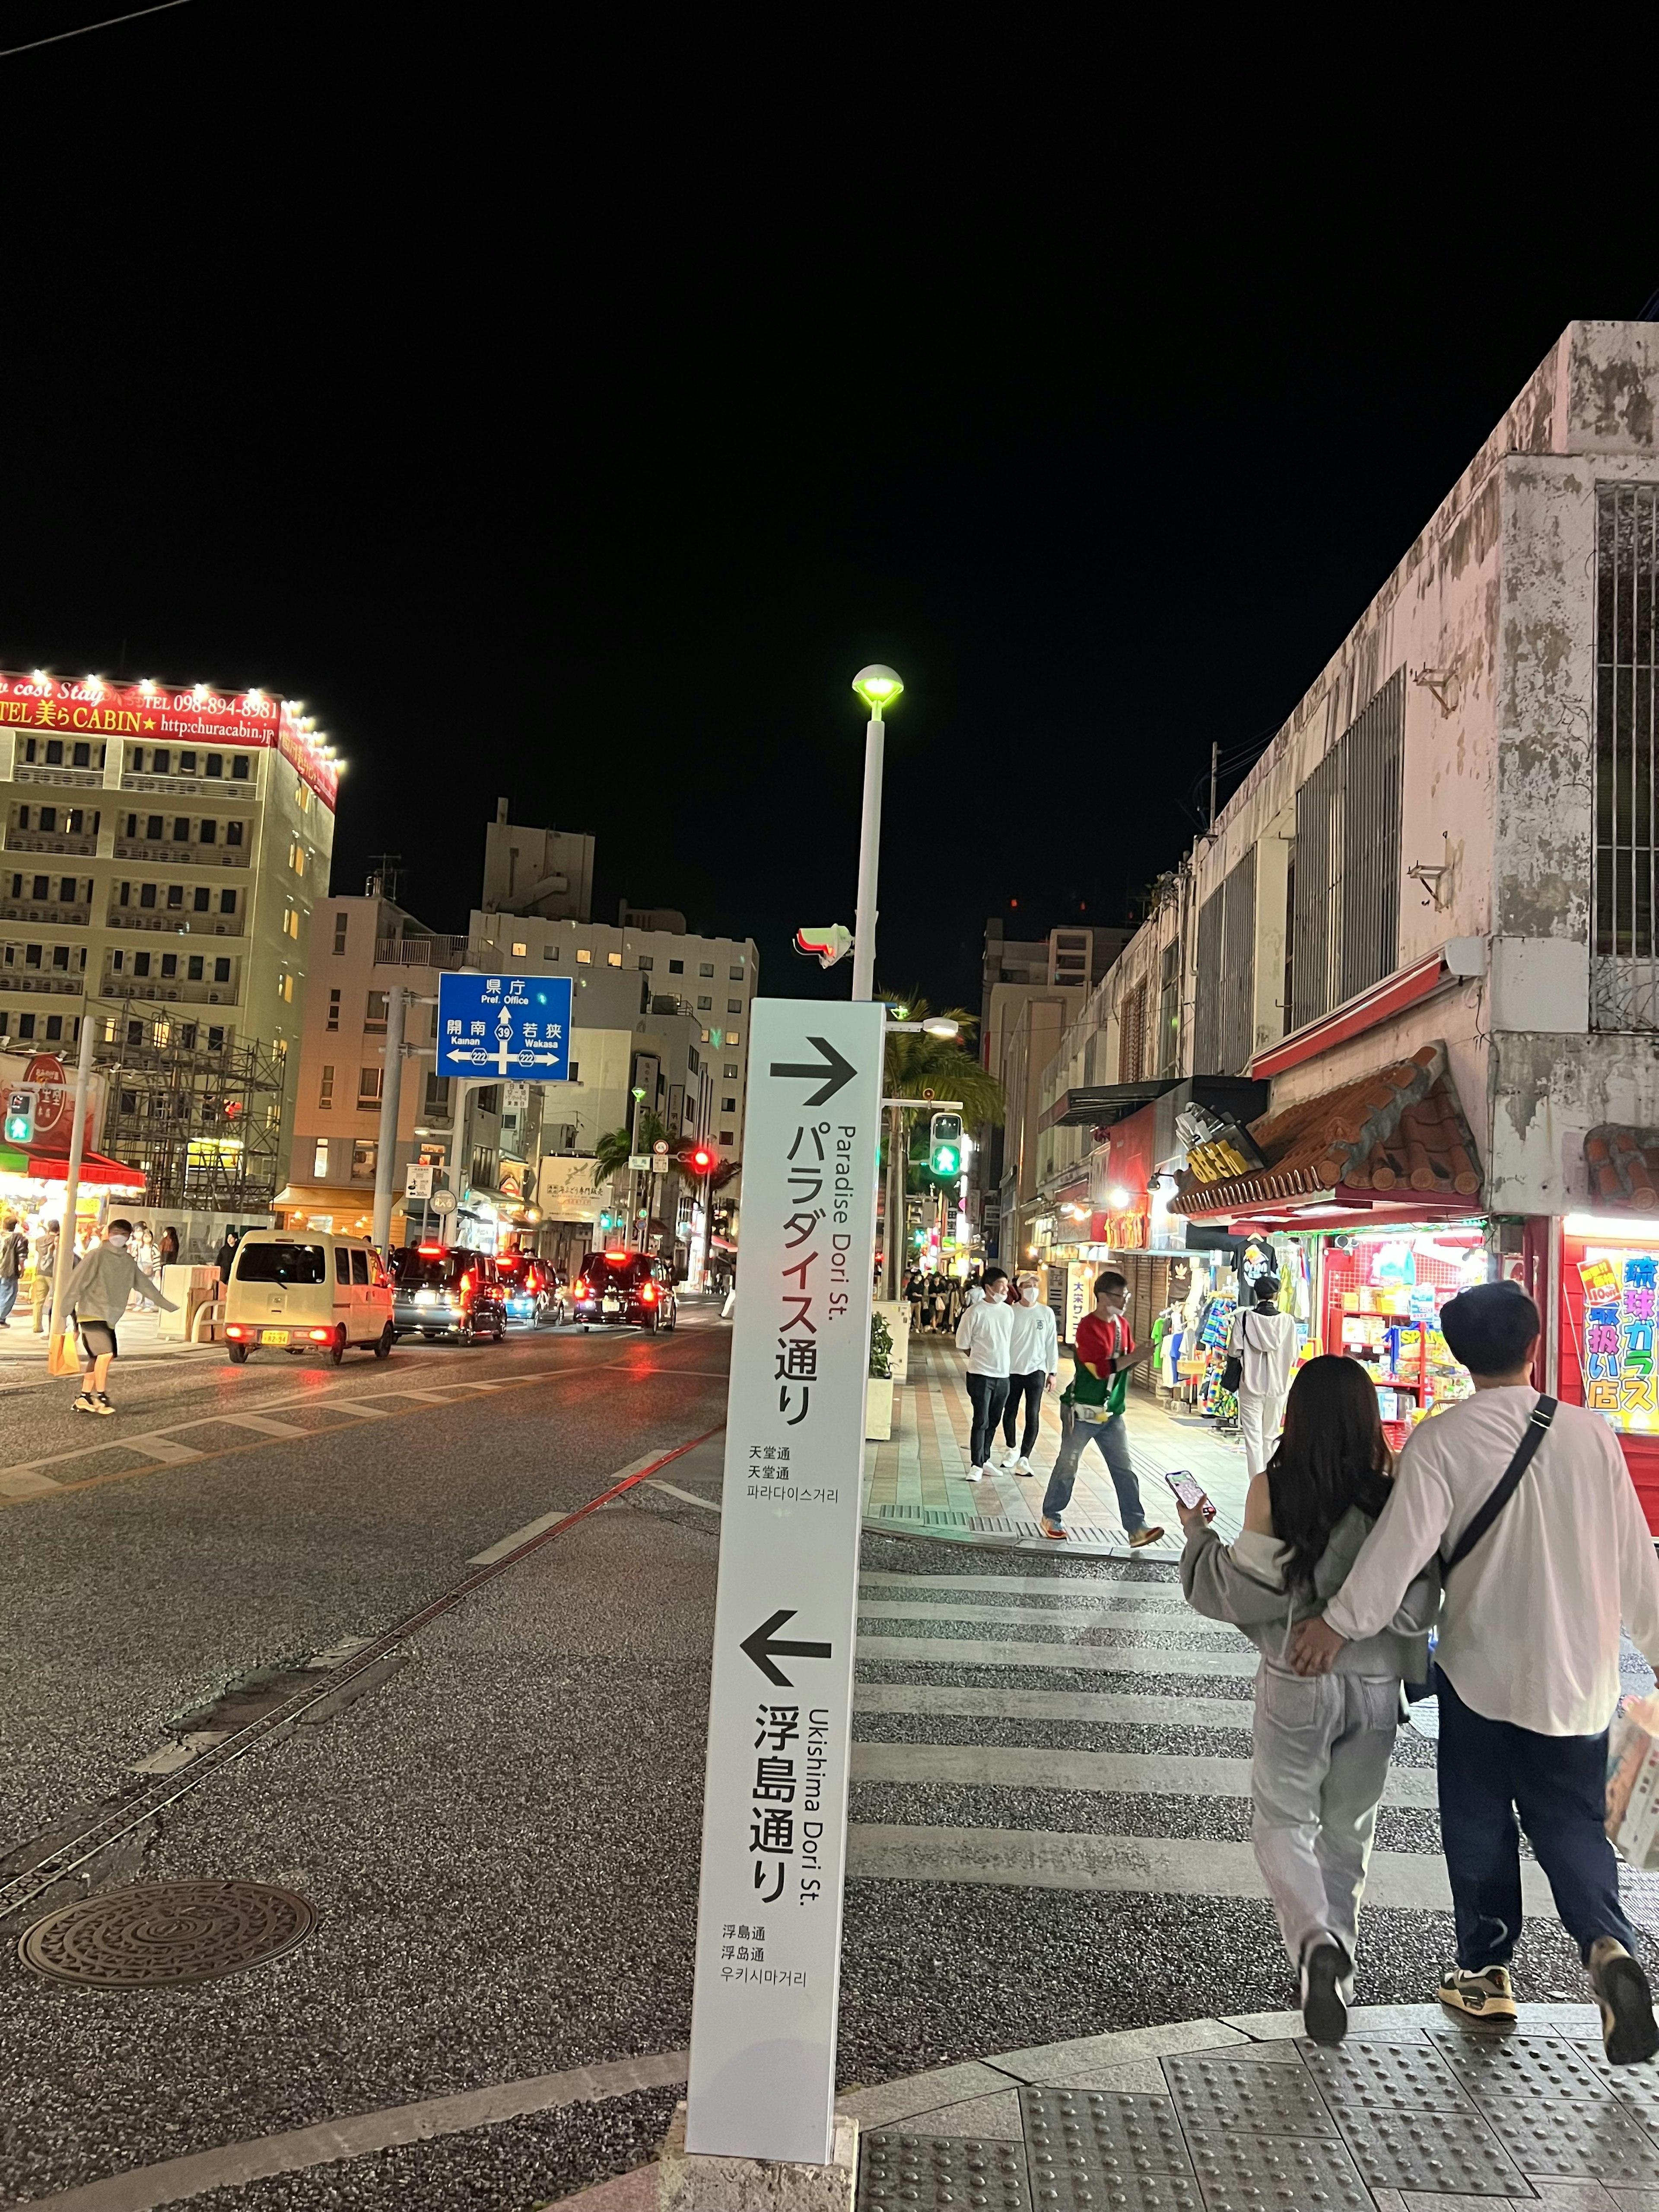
(1264,1340)
(1527,1662)
(1033,1367)
(983,1334)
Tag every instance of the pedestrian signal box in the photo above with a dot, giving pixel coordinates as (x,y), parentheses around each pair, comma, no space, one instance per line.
(944,1146)
(20,1117)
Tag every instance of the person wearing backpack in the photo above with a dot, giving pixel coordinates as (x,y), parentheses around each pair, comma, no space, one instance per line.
(1322,1746)
(1545,1550)
(1092,1410)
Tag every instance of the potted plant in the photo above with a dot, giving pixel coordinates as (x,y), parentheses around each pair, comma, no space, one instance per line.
(878,1390)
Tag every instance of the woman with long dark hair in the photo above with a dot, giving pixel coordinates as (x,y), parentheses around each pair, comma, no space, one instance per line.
(1320,1761)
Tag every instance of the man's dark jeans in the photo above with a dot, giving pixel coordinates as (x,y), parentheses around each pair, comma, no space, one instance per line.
(986,1393)
(1025,1390)
(1490,1770)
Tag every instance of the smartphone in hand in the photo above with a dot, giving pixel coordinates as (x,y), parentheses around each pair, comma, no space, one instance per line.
(1191,1495)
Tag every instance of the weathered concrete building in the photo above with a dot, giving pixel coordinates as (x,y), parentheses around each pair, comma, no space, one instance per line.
(1424,929)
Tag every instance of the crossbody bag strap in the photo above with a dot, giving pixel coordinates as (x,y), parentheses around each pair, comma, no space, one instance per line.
(1538,1423)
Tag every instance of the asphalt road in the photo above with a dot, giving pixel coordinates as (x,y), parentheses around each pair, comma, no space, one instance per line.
(500,1839)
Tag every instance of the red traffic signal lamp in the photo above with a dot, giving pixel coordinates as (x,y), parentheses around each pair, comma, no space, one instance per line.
(704,1159)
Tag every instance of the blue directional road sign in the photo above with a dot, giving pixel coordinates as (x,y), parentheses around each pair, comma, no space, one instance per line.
(505,1025)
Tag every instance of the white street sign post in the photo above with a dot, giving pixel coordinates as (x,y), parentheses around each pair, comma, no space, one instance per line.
(775,1821)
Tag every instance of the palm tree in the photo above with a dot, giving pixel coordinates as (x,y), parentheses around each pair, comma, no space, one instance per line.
(616,1148)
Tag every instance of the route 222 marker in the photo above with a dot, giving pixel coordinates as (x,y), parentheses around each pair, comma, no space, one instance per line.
(763,2074)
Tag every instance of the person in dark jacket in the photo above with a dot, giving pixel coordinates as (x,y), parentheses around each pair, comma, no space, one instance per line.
(1321,1762)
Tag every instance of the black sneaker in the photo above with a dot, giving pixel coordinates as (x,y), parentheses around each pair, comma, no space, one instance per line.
(1629,2031)
(1324,2013)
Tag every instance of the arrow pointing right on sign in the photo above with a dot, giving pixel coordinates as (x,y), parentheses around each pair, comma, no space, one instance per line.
(763,1648)
(837,1070)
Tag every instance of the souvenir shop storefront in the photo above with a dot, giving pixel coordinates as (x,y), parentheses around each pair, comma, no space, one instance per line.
(1607,1300)
(1365,1202)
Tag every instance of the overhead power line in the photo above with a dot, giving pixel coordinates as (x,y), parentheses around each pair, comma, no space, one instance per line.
(108,23)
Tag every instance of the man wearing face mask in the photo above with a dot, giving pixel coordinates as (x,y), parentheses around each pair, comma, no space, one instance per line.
(983,1334)
(97,1293)
(1033,1367)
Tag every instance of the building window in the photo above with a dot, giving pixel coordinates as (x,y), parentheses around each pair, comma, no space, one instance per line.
(734,1005)
(161,760)
(550,952)
(320,1160)
(1224,1008)
(363,1157)
(216,1039)
(733,1038)
(140,960)
(221,974)
(1625,970)
(676,967)
(199,900)
(210,832)
(227,901)
(1345,921)
(731,1071)
(341,920)
(291,922)
(725,1136)
(284,988)
(646,962)
(239,768)
(374,1012)
(333,1022)
(325,1089)
(703,1005)
(613,960)
(25,1026)
(195,968)
(520,951)
(736,974)
(584,957)
(728,1105)
(216,764)
(575,1072)
(437,1093)
(146,895)
(169,963)
(369,1080)
(1131,1025)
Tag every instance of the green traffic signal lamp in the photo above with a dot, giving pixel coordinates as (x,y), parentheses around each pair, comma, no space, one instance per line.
(944,1146)
(19,1118)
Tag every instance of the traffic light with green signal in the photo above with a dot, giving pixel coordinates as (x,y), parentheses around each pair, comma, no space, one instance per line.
(945,1146)
(20,1117)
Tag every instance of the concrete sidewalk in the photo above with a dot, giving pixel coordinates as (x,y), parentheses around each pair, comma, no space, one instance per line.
(917,1485)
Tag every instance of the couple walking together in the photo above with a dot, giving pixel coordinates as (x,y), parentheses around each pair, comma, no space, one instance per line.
(1510,1524)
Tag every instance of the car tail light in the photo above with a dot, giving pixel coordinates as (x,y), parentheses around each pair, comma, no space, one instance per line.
(320,1335)
(234,1329)
(464,1285)
(428,1251)
(648,1292)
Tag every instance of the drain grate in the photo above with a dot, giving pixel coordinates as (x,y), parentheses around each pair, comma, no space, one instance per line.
(158,1935)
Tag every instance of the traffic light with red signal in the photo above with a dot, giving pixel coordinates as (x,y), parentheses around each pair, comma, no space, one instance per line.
(702,1159)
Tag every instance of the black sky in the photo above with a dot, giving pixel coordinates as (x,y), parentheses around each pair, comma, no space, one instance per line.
(569,417)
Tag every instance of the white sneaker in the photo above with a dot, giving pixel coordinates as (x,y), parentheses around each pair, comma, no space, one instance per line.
(1022,1466)
(976,1474)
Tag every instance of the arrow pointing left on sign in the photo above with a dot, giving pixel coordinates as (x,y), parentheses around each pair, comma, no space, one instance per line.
(763,1647)
(836,1071)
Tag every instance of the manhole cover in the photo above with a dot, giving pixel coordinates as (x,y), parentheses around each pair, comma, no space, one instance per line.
(163,1933)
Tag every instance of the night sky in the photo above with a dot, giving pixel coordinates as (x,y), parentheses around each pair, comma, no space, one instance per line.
(569,421)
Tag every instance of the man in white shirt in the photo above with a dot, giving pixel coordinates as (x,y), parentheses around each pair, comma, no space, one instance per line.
(1528,1658)
(1264,1340)
(983,1334)
(1033,1367)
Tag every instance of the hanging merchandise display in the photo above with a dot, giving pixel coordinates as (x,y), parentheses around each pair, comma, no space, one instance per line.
(1383,1293)
(1609,1313)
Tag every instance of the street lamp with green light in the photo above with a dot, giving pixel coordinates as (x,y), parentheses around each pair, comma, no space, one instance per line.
(879,687)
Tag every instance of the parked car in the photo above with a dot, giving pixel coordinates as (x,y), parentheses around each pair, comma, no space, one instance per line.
(444,1290)
(528,1286)
(307,1291)
(625,1290)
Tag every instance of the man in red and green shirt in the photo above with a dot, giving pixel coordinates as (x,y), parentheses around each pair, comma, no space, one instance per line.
(1092,1410)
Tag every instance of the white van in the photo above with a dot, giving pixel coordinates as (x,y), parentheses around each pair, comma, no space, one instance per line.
(304,1290)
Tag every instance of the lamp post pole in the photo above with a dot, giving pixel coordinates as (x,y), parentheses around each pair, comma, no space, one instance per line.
(877,686)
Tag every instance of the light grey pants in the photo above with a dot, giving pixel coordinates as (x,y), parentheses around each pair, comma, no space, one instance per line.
(1322,1744)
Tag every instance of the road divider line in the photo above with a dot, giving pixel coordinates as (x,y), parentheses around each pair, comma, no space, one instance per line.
(689,1496)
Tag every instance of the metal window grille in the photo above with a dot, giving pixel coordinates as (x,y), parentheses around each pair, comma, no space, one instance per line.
(1345,906)
(1131,1026)
(1625,968)
(1223,1013)
(1169,1010)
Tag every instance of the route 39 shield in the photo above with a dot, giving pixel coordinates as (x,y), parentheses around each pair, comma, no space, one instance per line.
(775,1814)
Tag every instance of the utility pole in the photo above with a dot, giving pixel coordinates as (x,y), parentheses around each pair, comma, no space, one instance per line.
(1215,761)
(392,1078)
(877,686)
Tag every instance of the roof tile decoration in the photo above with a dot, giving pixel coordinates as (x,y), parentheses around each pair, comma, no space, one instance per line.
(1624,1167)
(1397,1133)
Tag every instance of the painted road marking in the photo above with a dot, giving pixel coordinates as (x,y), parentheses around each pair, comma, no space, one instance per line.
(1155,1865)
(687,1496)
(1100,1708)
(265,1428)
(1067,1589)
(952,1651)
(26,1482)
(1015,1766)
(164,1447)
(511,1543)
(1172,1619)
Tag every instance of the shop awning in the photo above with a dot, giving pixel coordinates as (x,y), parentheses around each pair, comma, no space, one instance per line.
(1100,1104)
(1395,1139)
(44,1166)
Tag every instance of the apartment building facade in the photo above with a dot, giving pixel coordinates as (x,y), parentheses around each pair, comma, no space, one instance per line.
(163,849)
(1408,995)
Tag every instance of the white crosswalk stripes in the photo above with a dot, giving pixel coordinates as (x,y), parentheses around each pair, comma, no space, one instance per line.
(1118,1788)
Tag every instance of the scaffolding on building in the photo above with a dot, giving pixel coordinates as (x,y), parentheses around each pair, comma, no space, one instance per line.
(198,1111)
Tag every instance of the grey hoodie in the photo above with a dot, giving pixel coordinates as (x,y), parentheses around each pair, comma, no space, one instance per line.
(104,1281)
(1218,1587)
